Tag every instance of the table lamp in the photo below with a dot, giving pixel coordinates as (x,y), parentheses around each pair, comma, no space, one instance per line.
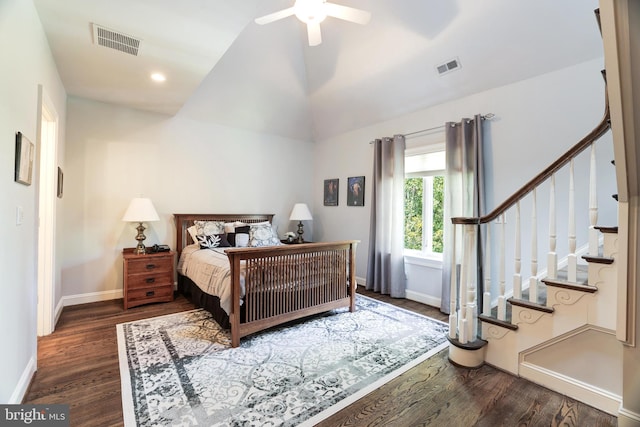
(300,212)
(140,210)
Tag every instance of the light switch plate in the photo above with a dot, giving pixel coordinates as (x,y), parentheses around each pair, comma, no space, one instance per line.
(19,215)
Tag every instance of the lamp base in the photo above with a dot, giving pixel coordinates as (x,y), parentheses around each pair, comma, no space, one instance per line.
(300,232)
(140,248)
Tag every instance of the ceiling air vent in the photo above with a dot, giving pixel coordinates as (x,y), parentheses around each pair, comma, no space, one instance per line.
(106,37)
(449,66)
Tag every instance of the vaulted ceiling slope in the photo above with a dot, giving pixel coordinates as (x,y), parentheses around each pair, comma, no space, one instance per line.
(222,67)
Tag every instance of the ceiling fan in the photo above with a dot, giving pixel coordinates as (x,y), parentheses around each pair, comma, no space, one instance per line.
(313,12)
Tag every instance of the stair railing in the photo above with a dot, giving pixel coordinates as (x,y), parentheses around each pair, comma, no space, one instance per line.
(465,286)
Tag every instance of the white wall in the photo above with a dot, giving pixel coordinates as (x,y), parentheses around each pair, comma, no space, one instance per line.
(26,63)
(114,154)
(536,121)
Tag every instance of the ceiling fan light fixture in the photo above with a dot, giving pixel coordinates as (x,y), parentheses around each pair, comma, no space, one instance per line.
(310,11)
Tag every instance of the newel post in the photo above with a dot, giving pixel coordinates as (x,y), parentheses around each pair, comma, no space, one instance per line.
(465,347)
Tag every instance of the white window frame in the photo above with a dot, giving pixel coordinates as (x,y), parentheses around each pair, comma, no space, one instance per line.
(426,256)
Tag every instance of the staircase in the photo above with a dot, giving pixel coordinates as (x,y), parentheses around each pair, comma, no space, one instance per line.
(559,326)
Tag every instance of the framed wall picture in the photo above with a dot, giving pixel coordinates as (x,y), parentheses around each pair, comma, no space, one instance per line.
(355,191)
(331,192)
(24,159)
(60,182)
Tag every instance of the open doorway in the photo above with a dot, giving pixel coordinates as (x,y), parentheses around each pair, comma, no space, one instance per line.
(47,193)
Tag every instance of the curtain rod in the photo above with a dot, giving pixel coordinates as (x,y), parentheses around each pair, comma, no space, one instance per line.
(487,116)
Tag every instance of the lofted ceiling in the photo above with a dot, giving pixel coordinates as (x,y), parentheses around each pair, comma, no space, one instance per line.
(222,67)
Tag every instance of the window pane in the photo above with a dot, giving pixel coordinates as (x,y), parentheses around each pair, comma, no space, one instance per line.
(438,212)
(413,191)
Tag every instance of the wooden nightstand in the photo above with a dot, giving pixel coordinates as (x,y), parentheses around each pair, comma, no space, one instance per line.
(147,278)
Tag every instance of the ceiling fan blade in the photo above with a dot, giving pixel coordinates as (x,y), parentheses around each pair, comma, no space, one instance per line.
(313,31)
(347,13)
(275,16)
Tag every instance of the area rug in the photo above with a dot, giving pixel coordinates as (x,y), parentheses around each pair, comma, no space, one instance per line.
(180,369)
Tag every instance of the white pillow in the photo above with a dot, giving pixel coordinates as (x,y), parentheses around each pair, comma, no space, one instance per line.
(242,240)
(193,232)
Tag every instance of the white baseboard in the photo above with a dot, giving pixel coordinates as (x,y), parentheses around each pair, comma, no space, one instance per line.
(593,396)
(423,298)
(627,418)
(361,281)
(23,384)
(58,312)
(91,297)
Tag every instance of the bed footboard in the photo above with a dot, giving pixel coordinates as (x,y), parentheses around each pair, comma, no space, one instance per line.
(284,283)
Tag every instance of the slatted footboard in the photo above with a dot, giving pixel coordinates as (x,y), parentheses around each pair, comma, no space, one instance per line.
(281,283)
(284,283)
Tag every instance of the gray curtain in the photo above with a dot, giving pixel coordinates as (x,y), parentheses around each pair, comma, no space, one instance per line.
(385,272)
(464,192)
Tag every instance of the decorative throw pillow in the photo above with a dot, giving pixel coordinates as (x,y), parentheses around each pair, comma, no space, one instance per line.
(263,235)
(193,232)
(213,241)
(239,237)
(209,228)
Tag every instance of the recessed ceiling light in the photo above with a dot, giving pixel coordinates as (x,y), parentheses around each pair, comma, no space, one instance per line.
(158,77)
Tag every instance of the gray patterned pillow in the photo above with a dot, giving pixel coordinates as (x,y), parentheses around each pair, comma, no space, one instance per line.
(209,228)
(263,235)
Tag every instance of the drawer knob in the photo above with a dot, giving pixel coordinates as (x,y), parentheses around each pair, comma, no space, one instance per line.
(151,280)
(151,266)
(151,293)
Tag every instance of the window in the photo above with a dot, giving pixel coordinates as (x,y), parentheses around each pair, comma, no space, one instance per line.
(424,203)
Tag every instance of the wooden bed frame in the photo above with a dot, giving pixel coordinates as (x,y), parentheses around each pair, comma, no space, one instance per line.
(282,283)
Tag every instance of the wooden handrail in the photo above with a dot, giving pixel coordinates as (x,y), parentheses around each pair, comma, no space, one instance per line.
(585,142)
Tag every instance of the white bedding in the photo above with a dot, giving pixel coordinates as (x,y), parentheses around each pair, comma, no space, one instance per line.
(210,270)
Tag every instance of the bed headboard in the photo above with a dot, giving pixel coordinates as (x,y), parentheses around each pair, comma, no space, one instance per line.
(184,221)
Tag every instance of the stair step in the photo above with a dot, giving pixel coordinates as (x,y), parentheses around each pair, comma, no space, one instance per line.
(532,305)
(603,229)
(559,283)
(495,321)
(598,259)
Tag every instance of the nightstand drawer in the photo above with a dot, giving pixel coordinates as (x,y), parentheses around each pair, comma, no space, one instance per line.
(135,296)
(149,265)
(148,278)
(159,278)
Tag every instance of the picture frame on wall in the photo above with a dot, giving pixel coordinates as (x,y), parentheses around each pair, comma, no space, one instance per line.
(24,159)
(355,191)
(60,182)
(331,192)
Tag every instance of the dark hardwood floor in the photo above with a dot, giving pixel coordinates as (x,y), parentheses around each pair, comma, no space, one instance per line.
(78,365)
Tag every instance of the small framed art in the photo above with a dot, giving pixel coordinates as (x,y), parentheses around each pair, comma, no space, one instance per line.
(24,159)
(355,191)
(331,192)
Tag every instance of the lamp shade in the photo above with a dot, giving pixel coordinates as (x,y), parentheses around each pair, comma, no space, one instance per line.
(140,210)
(300,212)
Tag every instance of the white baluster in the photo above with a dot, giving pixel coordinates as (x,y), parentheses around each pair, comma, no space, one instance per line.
(517,278)
(552,256)
(593,204)
(533,280)
(464,268)
(472,278)
(572,261)
(453,302)
(502,301)
(486,297)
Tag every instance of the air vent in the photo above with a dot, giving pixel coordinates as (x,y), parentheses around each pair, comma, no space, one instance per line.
(449,66)
(112,39)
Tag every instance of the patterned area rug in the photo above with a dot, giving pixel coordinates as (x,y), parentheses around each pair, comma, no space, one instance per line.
(180,369)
